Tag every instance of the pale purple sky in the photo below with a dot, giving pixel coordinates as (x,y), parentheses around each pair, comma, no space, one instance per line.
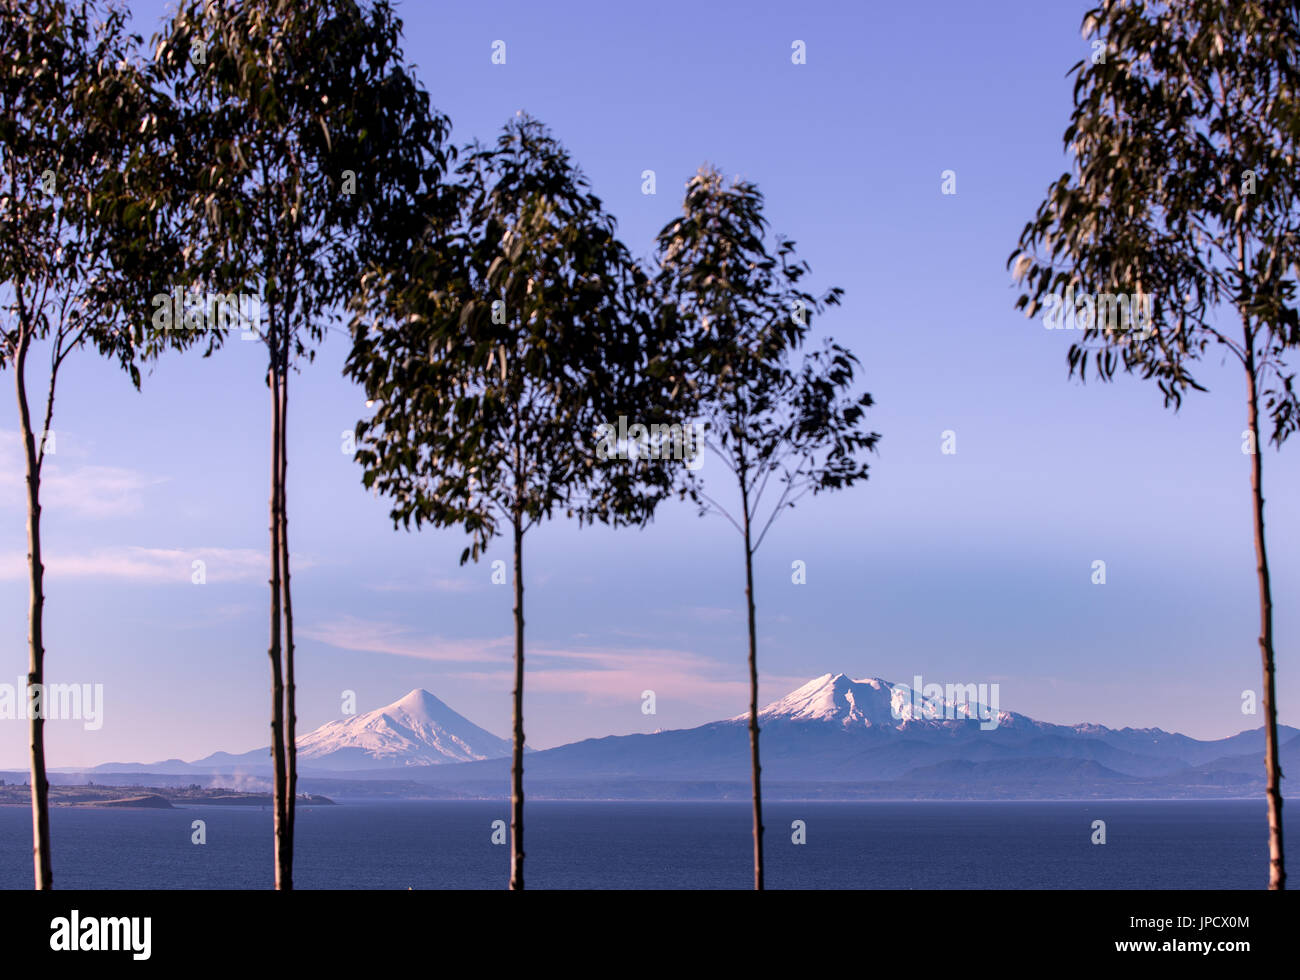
(974,567)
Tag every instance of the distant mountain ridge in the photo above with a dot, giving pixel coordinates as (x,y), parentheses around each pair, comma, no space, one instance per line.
(833,737)
(837,737)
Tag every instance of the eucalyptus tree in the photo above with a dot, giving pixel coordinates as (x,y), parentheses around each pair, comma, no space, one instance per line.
(84,142)
(516,331)
(779,425)
(314,145)
(1182,197)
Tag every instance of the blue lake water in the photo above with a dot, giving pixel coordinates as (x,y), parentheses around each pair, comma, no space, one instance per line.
(424,845)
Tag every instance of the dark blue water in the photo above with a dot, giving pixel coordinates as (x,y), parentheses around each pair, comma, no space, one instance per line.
(1186,844)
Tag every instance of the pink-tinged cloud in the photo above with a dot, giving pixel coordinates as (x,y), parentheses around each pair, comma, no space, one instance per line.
(370,636)
(70,488)
(623,674)
(595,674)
(712,614)
(158,565)
(426,585)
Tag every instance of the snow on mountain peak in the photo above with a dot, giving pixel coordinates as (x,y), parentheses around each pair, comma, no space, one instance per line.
(835,698)
(870,702)
(420,704)
(416,730)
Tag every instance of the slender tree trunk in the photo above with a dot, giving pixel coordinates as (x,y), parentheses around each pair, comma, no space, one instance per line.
(44,875)
(753,699)
(1273,792)
(290,706)
(283,873)
(517,768)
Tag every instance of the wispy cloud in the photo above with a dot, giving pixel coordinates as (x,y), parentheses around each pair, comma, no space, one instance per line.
(372,636)
(712,614)
(425,585)
(161,565)
(622,674)
(671,674)
(77,489)
(595,674)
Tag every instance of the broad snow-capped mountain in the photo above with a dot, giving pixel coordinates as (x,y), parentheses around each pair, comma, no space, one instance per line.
(874,703)
(836,736)
(418,730)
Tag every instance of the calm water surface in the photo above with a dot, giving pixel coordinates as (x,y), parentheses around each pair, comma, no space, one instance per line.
(1184,844)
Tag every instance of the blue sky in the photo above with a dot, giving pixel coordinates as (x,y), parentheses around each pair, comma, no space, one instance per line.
(973,567)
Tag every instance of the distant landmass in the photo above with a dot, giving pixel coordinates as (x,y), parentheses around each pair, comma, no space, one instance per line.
(118,796)
(832,738)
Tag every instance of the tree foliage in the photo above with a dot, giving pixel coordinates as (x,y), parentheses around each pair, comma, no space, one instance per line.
(315,149)
(521,327)
(774,422)
(83,136)
(777,421)
(1184,188)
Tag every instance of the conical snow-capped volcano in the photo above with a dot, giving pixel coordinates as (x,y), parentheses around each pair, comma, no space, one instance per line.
(418,730)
